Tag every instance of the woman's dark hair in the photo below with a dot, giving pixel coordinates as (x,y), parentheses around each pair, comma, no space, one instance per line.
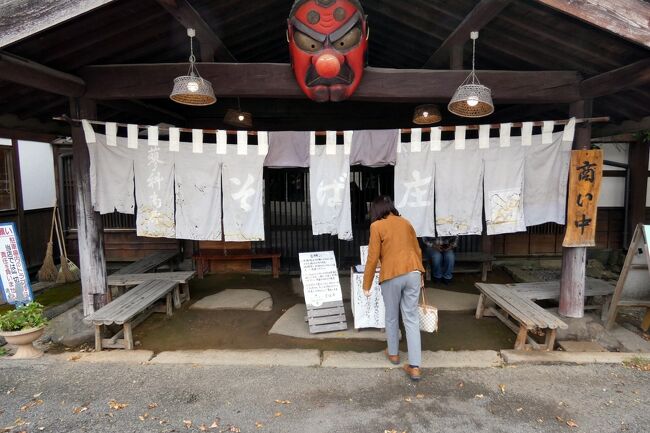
(381,207)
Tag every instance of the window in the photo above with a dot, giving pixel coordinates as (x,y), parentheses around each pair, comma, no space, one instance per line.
(7,187)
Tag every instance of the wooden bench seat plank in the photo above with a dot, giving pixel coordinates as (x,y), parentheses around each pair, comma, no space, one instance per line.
(524,310)
(133,302)
(515,307)
(543,318)
(147,263)
(551,289)
(180,277)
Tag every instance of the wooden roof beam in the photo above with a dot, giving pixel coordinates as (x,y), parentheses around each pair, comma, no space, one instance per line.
(482,14)
(37,76)
(630,76)
(20,19)
(276,80)
(211,45)
(625,18)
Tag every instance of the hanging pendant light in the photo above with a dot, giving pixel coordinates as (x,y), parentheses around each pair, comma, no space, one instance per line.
(426,114)
(238,118)
(472,99)
(192,89)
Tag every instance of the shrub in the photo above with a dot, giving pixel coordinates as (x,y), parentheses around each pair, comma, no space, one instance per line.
(27,316)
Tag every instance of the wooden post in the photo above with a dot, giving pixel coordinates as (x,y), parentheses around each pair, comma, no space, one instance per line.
(574,260)
(636,203)
(89,224)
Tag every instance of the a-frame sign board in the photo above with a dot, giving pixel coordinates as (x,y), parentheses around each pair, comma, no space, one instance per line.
(633,287)
(323,296)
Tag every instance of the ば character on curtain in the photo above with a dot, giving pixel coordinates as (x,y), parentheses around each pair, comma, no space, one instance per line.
(328,46)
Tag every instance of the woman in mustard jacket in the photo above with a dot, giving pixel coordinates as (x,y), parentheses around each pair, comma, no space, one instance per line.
(393,243)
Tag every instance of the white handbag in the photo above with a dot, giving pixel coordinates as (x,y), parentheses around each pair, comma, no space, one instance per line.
(428,315)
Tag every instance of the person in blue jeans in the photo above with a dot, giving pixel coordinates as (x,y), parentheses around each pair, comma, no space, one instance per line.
(439,254)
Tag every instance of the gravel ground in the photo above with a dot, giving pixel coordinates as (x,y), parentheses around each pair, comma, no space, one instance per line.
(70,397)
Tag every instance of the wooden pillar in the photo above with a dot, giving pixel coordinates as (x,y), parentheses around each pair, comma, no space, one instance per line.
(574,260)
(89,223)
(638,166)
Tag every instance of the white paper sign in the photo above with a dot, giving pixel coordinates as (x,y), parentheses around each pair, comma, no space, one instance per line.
(369,312)
(13,272)
(364,254)
(320,278)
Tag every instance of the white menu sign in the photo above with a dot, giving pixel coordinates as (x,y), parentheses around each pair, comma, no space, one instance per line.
(13,271)
(320,278)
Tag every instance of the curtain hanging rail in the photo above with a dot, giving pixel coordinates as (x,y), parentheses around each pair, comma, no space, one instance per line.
(602,119)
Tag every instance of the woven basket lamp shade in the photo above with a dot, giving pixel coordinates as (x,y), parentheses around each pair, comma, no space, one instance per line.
(472,99)
(426,114)
(192,89)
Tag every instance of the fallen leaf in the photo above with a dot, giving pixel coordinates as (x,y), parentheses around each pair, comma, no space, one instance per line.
(502,387)
(407,399)
(519,409)
(79,409)
(215,424)
(277,414)
(419,396)
(30,404)
(559,418)
(571,423)
(539,420)
(152,405)
(478,396)
(117,406)
(74,358)
(141,418)
(187,423)
(11,390)
(460,384)
(37,395)
(202,427)
(258,425)
(282,401)
(233,429)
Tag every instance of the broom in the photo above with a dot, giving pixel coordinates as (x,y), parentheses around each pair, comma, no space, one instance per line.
(48,271)
(76,272)
(65,275)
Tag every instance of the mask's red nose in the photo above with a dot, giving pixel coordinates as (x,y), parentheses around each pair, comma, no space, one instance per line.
(328,65)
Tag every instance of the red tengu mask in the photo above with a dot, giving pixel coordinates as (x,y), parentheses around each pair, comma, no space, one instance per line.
(328,45)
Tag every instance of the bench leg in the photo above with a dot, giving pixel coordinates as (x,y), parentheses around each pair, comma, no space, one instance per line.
(520,343)
(646,321)
(128,336)
(199,267)
(276,266)
(186,291)
(480,308)
(177,297)
(98,338)
(550,339)
(169,305)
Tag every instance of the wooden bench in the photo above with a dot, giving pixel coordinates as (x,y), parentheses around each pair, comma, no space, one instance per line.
(484,259)
(122,281)
(126,311)
(151,262)
(551,290)
(522,315)
(204,256)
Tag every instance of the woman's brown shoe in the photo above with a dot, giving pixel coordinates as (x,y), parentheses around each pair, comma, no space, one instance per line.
(394,359)
(413,372)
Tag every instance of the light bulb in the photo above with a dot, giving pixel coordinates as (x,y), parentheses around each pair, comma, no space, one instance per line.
(425,114)
(472,101)
(241,117)
(192,86)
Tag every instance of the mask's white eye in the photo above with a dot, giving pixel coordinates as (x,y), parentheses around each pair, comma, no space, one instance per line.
(306,43)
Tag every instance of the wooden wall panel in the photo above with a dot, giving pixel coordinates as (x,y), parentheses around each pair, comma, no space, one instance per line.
(125,246)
